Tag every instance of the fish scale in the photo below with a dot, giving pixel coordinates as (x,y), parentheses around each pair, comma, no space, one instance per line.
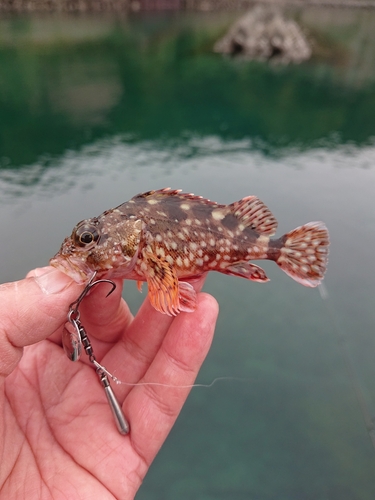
(167,237)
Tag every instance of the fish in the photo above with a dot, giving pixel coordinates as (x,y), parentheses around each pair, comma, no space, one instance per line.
(166,238)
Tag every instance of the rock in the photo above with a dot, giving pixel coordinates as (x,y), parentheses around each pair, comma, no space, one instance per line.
(264,34)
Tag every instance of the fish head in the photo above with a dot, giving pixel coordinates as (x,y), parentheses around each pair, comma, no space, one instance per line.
(107,246)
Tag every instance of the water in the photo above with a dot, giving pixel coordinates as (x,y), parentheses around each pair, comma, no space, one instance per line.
(93,111)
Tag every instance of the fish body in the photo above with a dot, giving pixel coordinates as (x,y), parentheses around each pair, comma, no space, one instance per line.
(165,237)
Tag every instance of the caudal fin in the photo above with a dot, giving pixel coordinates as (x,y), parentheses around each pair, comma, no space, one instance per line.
(304,254)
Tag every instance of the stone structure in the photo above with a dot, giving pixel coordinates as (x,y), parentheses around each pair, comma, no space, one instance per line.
(264,34)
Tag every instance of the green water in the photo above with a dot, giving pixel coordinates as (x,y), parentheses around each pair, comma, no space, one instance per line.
(94,110)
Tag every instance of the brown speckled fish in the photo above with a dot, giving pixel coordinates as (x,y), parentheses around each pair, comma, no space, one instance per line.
(165,237)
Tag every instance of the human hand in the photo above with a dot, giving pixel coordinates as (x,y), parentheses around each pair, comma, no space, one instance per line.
(58,439)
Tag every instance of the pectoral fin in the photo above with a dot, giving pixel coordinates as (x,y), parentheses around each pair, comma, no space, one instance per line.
(166,293)
(245,269)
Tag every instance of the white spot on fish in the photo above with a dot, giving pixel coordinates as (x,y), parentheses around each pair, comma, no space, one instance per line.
(199,262)
(152,201)
(181,236)
(188,222)
(174,245)
(186,262)
(203,244)
(158,237)
(179,261)
(160,251)
(200,253)
(218,214)
(198,222)
(169,259)
(193,245)
(185,206)
(212,242)
(263,240)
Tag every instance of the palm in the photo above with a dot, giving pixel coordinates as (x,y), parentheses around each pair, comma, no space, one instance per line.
(60,440)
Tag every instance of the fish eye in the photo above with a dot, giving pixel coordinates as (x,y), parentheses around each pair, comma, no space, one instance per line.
(85,235)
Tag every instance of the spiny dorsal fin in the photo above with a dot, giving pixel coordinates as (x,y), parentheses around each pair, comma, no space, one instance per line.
(253,213)
(159,194)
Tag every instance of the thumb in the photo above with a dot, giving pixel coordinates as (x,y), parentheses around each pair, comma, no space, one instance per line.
(32,309)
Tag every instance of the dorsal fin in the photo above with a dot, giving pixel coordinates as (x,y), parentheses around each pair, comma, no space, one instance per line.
(172,193)
(253,213)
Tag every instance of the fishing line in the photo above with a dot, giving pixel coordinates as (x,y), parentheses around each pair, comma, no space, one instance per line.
(187,386)
(353,375)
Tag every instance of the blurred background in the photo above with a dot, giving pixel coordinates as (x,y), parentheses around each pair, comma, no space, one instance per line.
(101,100)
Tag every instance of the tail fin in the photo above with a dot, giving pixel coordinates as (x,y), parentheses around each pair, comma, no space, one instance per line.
(304,254)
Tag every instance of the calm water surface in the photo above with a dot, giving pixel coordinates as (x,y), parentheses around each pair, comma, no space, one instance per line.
(93,111)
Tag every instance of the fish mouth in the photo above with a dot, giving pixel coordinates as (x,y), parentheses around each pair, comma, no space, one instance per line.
(78,271)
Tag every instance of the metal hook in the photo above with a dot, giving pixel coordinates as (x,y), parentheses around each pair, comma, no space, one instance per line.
(73,308)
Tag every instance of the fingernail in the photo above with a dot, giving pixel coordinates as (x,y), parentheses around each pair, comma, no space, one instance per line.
(51,280)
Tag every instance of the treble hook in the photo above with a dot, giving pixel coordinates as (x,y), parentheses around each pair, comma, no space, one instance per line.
(73,307)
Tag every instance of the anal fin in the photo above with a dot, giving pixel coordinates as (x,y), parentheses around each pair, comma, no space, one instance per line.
(245,269)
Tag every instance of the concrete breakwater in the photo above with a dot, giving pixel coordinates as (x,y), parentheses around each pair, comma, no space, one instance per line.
(147,5)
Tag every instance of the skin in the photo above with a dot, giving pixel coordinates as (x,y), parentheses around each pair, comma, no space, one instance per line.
(57,436)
